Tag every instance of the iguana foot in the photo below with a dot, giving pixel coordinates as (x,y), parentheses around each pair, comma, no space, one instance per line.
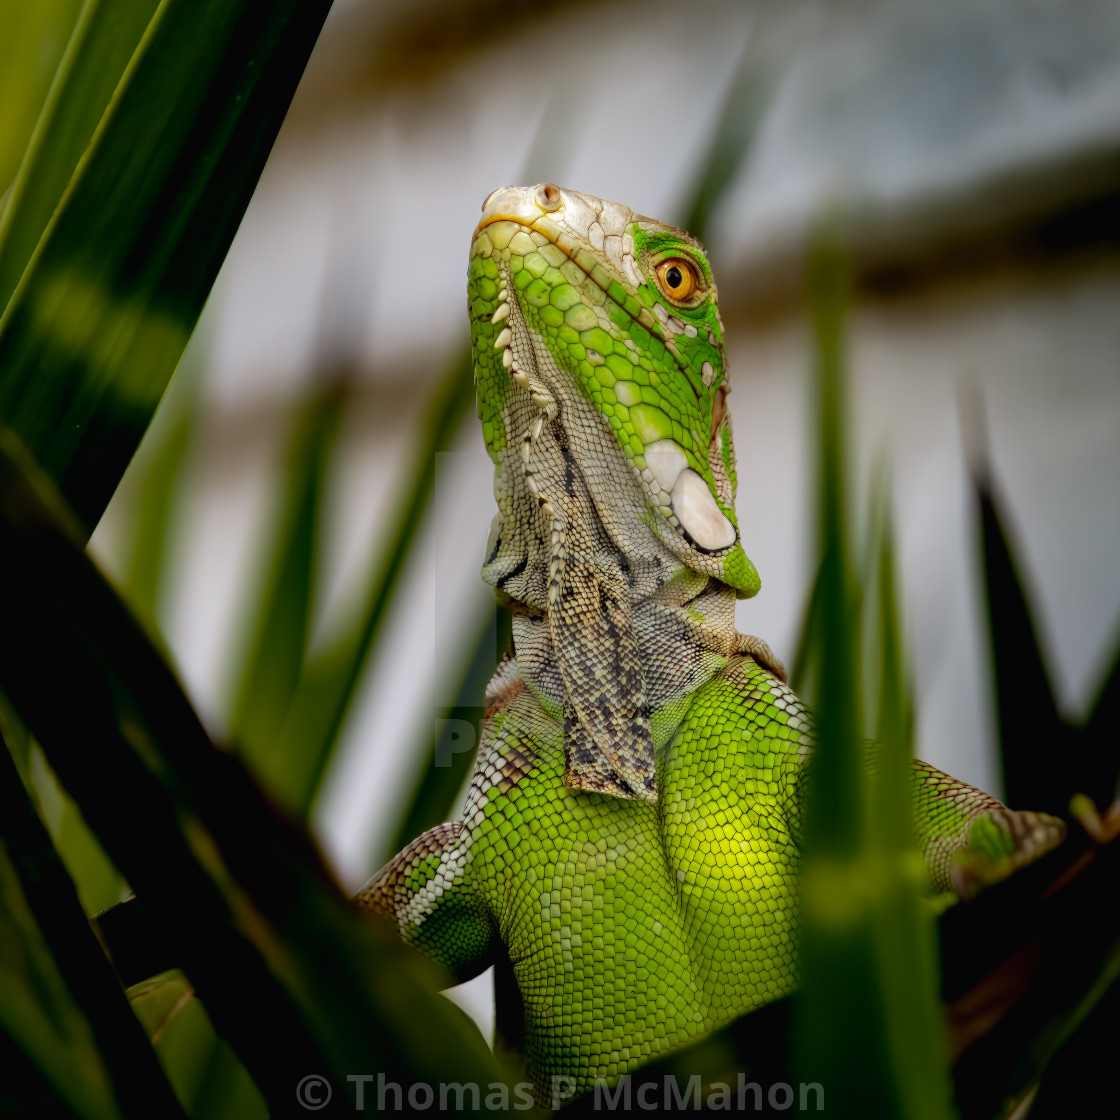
(1001,841)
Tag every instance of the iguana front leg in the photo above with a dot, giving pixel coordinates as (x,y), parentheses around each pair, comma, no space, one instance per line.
(969,839)
(426,891)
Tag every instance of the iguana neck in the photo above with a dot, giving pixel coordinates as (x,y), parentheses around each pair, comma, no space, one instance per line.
(612,630)
(681,644)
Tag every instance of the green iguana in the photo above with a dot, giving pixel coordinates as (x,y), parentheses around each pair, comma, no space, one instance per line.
(629,844)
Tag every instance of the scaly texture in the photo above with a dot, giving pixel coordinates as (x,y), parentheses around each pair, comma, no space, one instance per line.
(629,845)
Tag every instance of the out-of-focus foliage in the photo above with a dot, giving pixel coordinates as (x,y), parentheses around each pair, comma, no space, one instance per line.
(327,681)
(103,42)
(144,181)
(1034,734)
(35,36)
(293,977)
(867,1021)
(205,1073)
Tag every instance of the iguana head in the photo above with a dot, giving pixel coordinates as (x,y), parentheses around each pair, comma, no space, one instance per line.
(599,368)
(627,308)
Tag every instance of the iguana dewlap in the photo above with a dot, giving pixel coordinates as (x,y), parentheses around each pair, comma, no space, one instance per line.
(629,844)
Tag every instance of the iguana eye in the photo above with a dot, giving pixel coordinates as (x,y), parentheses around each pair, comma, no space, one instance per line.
(677,278)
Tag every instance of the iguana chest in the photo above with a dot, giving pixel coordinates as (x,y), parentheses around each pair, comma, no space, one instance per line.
(631,927)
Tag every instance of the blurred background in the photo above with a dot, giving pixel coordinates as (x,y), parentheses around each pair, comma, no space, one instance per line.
(973,153)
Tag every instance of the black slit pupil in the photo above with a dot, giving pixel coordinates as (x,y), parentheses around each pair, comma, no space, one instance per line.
(674,278)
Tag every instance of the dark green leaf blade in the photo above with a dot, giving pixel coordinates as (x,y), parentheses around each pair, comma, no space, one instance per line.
(1031,732)
(160,468)
(208,1078)
(865,1022)
(138,1082)
(838,764)
(99,321)
(34,41)
(243,898)
(905,943)
(836,952)
(103,43)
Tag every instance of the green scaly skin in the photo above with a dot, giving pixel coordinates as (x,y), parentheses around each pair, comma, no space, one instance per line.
(629,845)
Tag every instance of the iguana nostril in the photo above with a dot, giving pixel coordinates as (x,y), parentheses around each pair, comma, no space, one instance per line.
(549,196)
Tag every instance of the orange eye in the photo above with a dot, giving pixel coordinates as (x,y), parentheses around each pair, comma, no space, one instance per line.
(677,278)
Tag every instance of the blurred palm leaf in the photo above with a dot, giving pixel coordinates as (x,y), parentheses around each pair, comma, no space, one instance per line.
(732,136)
(205,1072)
(97,881)
(1044,967)
(104,307)
(866,1021)
(41,911)
(160,464)
(1032,732)
(278,652)
(328,680)
(53,1061)
(244,901)
(87,343)
(103,42)
(127,198)
(35,37)
(432,797)
(904,942)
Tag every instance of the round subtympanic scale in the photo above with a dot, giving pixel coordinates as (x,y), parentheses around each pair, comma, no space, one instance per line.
(698,513)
